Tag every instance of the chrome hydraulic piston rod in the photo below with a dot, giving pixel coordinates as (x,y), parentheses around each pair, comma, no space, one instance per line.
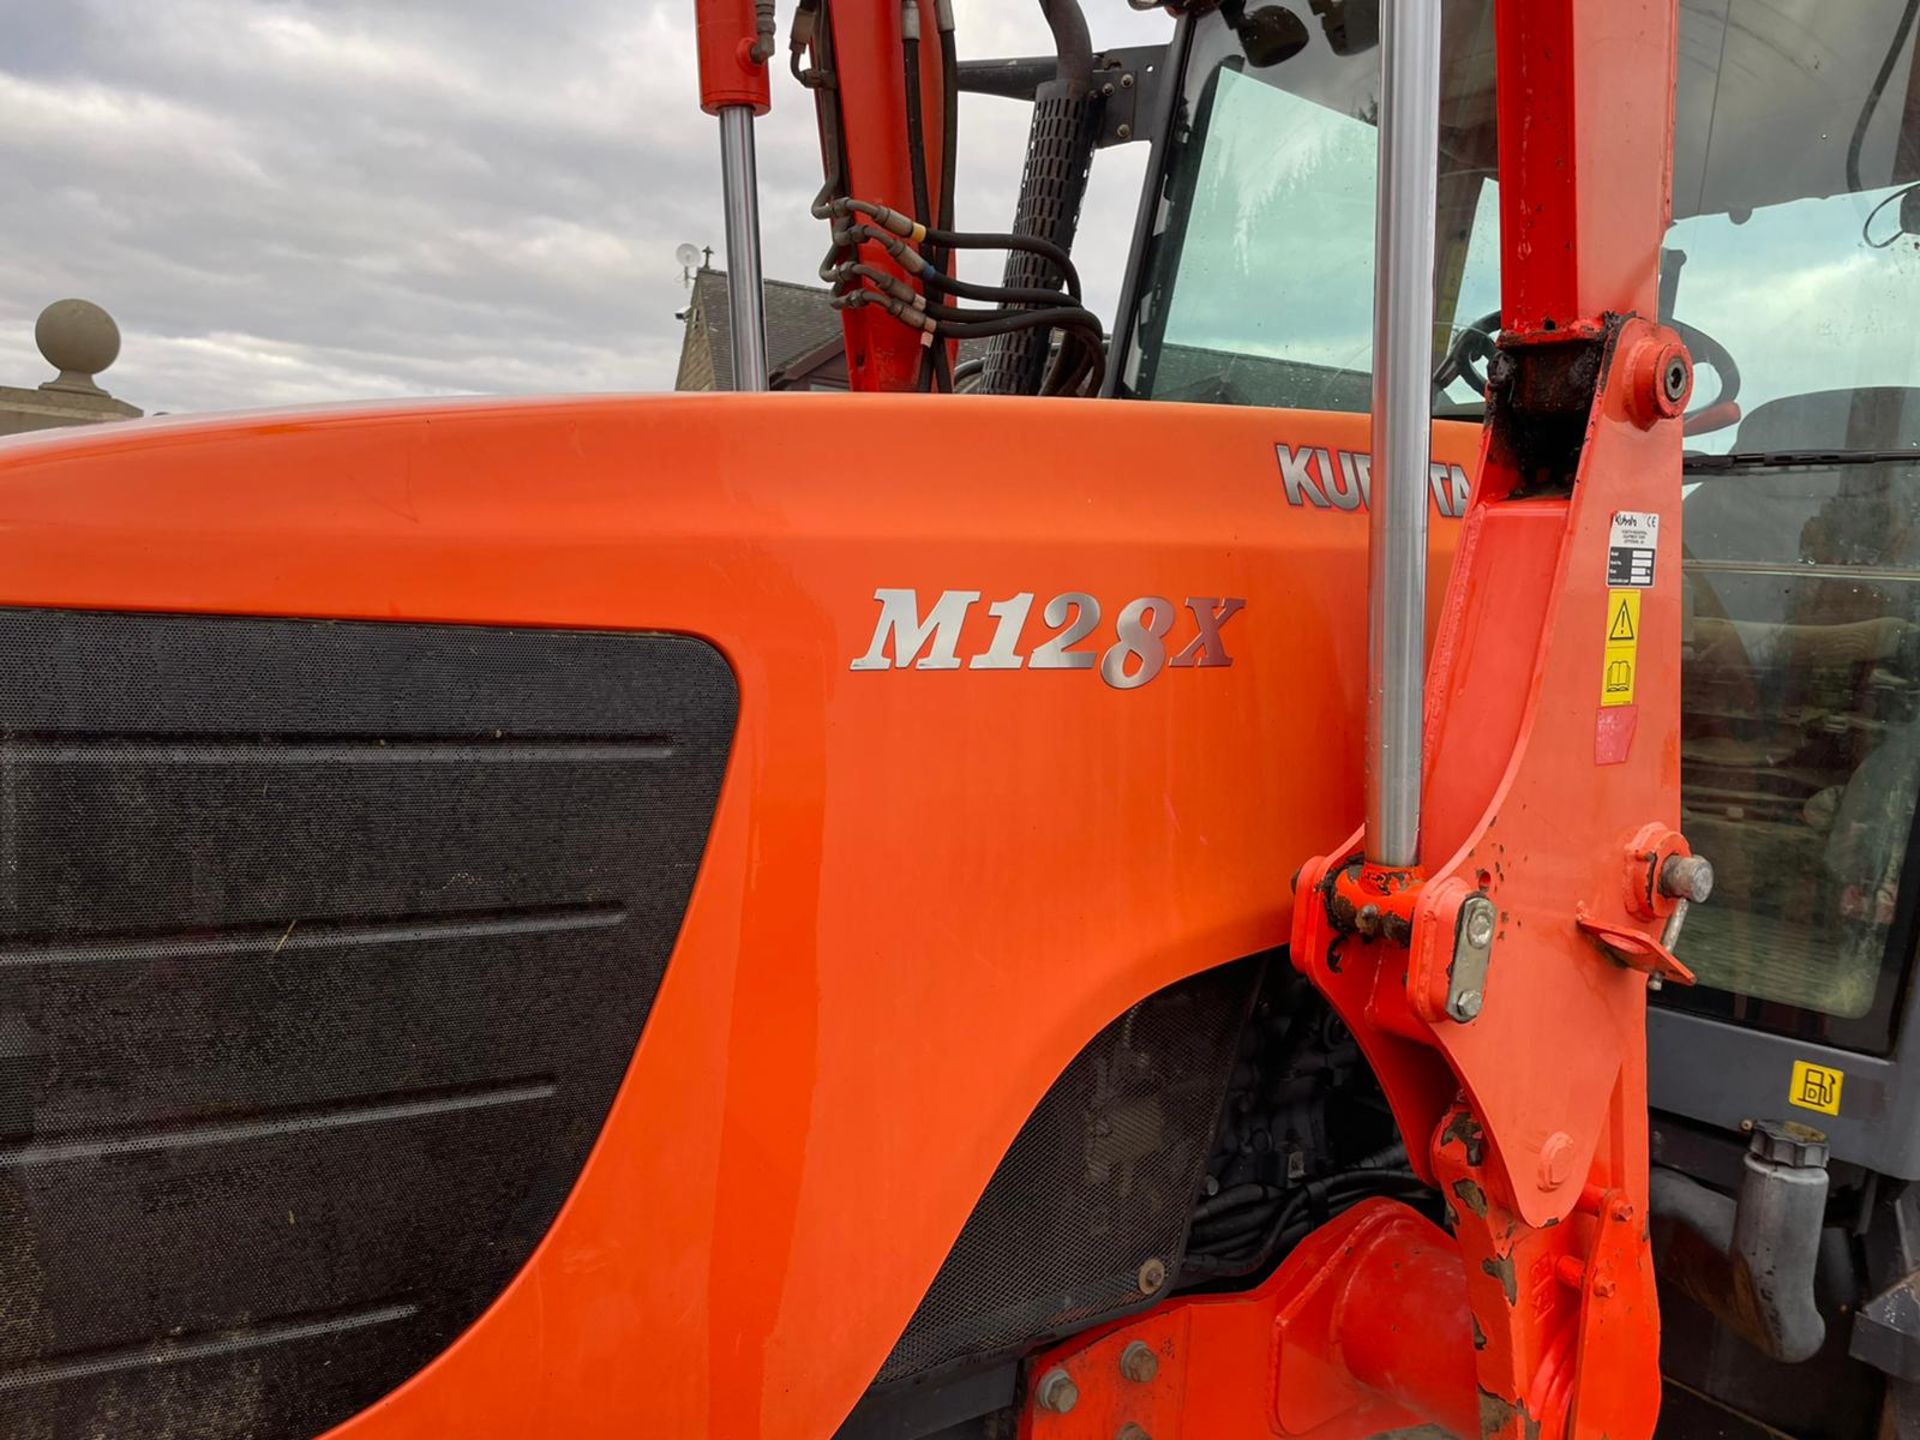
(1406,197)
(746,298)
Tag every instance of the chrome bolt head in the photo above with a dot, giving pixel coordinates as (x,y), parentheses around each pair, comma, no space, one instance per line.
(1674,378)
(1056,1393)
(1687,877)
(1480,927)
(1138,1362)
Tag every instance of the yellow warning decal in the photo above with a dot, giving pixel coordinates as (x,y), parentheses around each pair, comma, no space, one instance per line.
(1623,647)
(1816,1087)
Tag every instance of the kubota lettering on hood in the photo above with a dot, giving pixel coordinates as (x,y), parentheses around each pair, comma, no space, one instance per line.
(1343,480)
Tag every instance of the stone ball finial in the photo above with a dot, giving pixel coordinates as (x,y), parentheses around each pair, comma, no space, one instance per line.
(78,339)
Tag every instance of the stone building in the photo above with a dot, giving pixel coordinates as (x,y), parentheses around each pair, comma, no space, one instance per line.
(804,348)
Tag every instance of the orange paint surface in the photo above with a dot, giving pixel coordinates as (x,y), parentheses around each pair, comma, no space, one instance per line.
(924,890)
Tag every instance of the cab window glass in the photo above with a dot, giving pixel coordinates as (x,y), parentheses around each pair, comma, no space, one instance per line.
(1259,286)
(1801,740)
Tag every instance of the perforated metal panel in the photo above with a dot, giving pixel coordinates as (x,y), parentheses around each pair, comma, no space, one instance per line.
(1100,1181)
(1052,186)
(323,949)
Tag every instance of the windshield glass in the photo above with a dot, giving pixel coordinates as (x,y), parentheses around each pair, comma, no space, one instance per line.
(1791,264)
(1259,286)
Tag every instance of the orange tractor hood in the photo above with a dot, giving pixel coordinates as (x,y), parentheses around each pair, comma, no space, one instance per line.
(927,884)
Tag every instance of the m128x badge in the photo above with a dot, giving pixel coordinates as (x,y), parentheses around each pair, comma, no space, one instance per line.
(1150,633)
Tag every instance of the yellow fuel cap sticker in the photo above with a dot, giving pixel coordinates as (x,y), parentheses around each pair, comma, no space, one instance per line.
(1816,1087)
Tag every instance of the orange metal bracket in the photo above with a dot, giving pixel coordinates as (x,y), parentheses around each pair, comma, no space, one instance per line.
(1321,1350)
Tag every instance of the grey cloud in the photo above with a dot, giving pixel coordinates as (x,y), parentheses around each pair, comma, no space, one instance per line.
(289,203)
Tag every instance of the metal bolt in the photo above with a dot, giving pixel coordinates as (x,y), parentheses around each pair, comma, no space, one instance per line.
(1056,1393)
(1603,1287)
(1126,82)
(1674,378)
(1125,132)
(1556,1160)
(1472,957)
(1131,1431)
(1367,921)
(1480,926)
(1153,1275)
(1138,1363)
(1687,877)
(1107,89)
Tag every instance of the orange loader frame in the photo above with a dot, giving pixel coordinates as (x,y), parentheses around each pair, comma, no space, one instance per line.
(1499,989)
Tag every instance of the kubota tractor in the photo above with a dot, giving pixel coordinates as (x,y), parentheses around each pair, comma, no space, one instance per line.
(1333,853)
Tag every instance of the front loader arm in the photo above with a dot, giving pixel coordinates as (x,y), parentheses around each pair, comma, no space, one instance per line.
(1499,987)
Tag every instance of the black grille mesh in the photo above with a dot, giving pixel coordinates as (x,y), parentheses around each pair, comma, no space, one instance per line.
(323,949)
(1100,1181)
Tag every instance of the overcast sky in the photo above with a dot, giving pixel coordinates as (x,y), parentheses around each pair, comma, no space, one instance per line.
(289,201)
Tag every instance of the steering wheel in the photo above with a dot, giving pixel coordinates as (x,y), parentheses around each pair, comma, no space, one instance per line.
(1474,345)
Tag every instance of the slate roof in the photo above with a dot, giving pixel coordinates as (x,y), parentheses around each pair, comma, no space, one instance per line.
(804,338)
(799,322)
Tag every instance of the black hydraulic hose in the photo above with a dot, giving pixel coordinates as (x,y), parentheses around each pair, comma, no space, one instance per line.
(1084,374)
(890,284)
(1065,317)
(1865,122)
(997,294)
(1020,320)
(1072,43)
(920,265)
(949,152)
(1234,1197)
(975,324)
(950,118)
(1033,244)
(916,121)
(1229,1231)
(1080,358)
(907,227)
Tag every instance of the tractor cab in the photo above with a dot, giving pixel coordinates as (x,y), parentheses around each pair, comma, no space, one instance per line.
(1792,270)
